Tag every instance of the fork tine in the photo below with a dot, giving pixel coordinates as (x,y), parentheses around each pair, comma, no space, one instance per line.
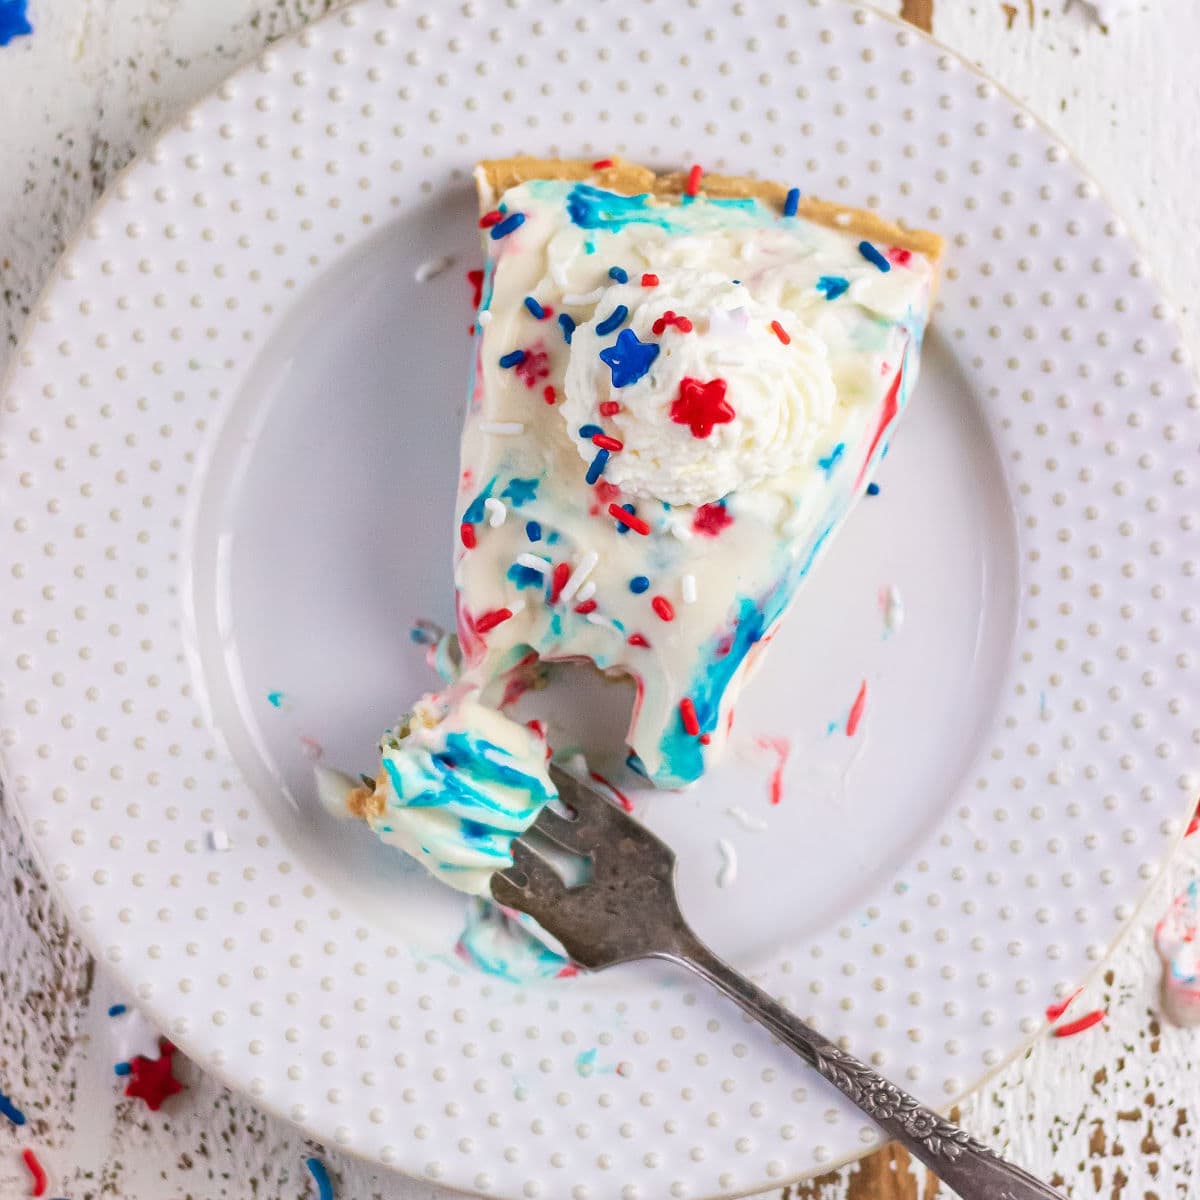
(593,809)
(543,878)
(570,835)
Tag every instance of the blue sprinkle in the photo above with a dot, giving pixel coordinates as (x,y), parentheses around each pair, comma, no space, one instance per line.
(525,577)
(10,1110)
(619,274)
(535,308)
(874,257)
(13,20)
(832,459)
(832,286)
(872,489)
(315,1165)
(116,1010)
(533,531)
(598,464)
(567,325)
(514,358)
(792,202)
(519,491)
(505,227)
(275,699)
(629,358)
(589,431)
(122,1069)
(614,320)
(638,584)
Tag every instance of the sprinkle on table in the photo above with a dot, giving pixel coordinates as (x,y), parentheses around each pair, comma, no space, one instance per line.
(693,181)
(687,712)
(117,1010)
(10,1111)
(781,333)
(514,358)
(489,620)
(316,1169)
(35,1169)
(151,1079)
(856,710)
(872,255)
(663,608)
(791,202)
(630,520)
(1071,1028)
(510,224)
(872,489)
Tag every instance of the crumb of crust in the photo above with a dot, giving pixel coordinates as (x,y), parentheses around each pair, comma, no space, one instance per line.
(364,803)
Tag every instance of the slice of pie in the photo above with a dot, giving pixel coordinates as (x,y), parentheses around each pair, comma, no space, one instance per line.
(682,384)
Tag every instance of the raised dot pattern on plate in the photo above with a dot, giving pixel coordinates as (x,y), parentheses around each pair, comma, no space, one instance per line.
(148,331)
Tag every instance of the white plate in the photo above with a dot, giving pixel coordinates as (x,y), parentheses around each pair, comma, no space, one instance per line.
(227,469)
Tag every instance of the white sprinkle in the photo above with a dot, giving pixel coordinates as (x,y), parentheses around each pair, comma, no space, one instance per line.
(728,872)
(502,428)
(517,606)
(534,562)
(602,622)
(559,274)
(586,592)
(687,589)
(218,839)
(891,604)
(842,218)
(678,528)
(587,564)
(496,511)
(485,317)
(745,820)
(433,268)
(583,297)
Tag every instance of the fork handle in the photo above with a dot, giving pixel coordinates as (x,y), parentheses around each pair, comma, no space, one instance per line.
(956,1158)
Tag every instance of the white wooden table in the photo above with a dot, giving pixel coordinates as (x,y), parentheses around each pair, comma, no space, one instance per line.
(1114,1112)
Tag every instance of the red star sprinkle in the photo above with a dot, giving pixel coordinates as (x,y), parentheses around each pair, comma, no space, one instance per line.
(150,1079)
(701,406)
(534,366)
(710,519)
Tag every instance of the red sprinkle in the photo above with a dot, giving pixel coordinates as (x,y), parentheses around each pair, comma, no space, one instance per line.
(491,218)
(781,333)
(693,180)
(636,639)
(549,394)
(558,580)
(151,1079)
(649,279)
(683,324)
(623,517)
(710,519)
(856,710)
(705,739)
(475,279)
(1085,1022)
(568,972)
(37,1171)
(899,255)
(1056,1010)
(664,608)
(489,620)
(782,748)
(601,163)
(607,443)
(687,710)
(610,408)
(1194,824)
(537,727)
(622,799)
(586,607)
(467,533)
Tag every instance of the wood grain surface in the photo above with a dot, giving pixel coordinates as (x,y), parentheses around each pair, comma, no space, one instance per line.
(1111,1113)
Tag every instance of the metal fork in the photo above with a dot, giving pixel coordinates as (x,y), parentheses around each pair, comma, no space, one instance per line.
(628,910)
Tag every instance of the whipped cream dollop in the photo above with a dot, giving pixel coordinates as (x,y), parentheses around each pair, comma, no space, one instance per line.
(707,388)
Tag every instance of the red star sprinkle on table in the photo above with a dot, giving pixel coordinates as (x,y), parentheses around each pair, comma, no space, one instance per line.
(150,1079)
(702,406)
